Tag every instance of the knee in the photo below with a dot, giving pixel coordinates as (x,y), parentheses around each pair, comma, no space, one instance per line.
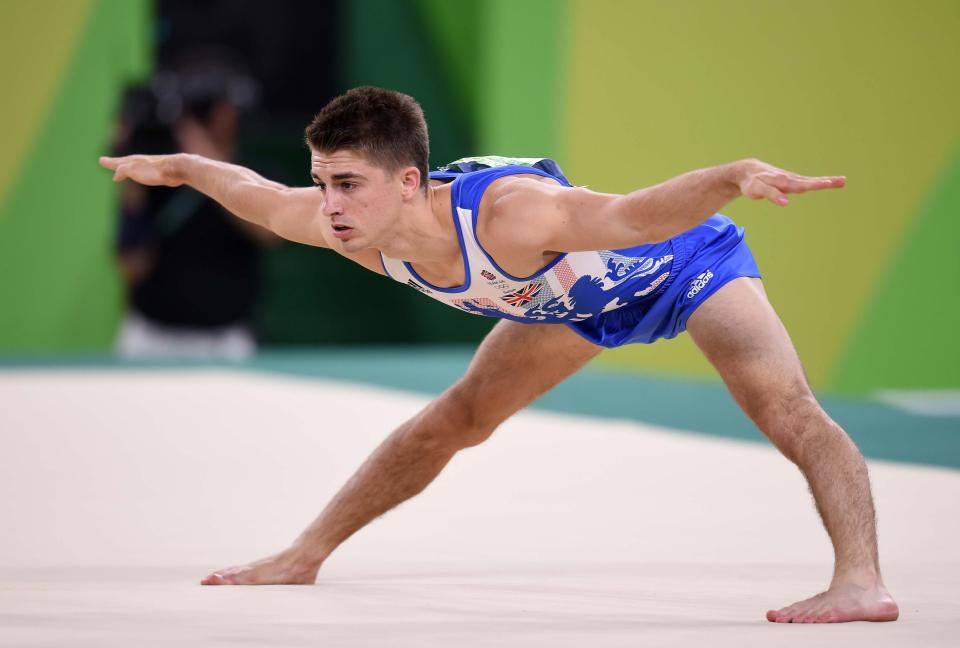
(457,420)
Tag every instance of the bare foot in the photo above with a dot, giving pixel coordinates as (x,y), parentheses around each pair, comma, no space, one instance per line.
(282,569)
(843,602)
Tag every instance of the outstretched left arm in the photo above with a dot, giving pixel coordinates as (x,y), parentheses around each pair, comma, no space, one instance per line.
(568,220)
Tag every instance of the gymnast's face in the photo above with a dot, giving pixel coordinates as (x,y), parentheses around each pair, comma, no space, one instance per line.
(362,201)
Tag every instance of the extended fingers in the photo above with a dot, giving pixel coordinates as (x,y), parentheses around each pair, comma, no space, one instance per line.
(109,162)
(767,189)
(116,165)
(791,183)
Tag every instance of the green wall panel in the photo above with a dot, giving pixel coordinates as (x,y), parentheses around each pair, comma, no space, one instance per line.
(452,30)
(522,78)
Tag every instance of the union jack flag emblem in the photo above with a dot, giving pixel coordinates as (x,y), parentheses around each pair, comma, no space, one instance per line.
(524,295)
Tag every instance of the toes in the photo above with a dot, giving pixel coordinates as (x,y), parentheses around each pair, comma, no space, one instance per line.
(800,612)
(785,615)
(795,614)
(217,579)
(778,616)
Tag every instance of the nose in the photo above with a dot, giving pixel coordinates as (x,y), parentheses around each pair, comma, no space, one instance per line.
(331,204)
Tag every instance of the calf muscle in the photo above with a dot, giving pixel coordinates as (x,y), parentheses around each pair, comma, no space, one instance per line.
(840,485)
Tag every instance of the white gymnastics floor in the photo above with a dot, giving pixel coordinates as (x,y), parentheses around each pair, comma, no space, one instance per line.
(120,489)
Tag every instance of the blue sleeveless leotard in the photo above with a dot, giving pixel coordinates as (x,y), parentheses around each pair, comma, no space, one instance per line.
(610,297)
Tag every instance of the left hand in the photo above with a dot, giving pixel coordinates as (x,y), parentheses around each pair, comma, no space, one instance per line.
(758,180)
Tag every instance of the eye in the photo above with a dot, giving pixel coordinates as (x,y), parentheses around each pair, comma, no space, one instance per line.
(347,186)
(320,186)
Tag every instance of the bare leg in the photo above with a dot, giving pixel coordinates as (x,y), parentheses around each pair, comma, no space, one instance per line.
(742,336)
(514,364)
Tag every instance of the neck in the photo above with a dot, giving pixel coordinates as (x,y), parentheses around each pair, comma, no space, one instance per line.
(425,233)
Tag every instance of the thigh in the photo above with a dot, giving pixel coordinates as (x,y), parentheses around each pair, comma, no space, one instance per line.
(742,336)
(515,364)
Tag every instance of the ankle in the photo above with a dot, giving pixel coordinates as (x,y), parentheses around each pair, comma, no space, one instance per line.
(864,577)
(302,559)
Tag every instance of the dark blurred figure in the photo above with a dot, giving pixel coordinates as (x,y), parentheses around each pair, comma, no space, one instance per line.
(192,271)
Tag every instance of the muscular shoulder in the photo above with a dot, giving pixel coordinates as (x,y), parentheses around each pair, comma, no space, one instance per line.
(507,192)
(511,219)
(513,204)
(533,212)
(554,218)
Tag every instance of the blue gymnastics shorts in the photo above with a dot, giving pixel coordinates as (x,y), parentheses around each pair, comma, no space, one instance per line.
(705,259)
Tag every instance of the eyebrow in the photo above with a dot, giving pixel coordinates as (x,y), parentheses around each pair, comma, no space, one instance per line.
(339,176)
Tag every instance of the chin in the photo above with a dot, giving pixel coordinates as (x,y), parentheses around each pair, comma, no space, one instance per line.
(352,245)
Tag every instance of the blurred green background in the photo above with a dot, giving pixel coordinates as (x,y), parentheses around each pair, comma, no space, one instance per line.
(622,94)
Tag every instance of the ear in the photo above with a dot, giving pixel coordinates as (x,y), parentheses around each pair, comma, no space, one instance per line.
(410,181)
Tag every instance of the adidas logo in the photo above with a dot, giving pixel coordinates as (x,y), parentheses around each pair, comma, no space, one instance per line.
(697,284)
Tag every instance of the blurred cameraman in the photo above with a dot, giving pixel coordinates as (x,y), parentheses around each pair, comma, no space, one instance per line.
(192,271)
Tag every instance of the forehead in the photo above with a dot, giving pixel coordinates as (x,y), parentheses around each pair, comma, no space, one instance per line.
(323,164)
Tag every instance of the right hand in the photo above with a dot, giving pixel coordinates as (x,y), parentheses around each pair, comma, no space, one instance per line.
(152,170)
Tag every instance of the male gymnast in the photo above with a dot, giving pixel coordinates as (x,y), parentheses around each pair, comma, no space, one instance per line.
(569,271)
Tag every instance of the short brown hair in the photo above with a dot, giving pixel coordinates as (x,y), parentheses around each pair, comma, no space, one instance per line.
(386,126)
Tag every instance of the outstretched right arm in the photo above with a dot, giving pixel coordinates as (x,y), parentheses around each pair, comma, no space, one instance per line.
(293,213)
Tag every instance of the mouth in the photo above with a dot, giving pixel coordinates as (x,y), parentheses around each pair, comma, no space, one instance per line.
(342,231)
